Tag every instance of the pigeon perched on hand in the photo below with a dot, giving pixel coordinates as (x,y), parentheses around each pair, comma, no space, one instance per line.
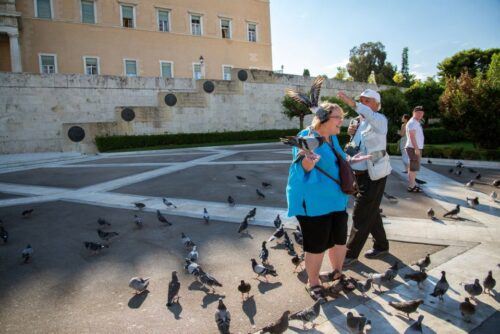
(187,242)
(419,277)
(416,327)
(27,253)
(489,282)
(277,221)
(222,318)
(355,324)
(4,235)
(208,280)
(206,216)
(260,194)
(423,262)
(453,212)
(193,255)
(27,213)
(103,222)
(244,288)
(308,314)
(260,270)
(278,234)
(441,287)
(467,309)
(390,198)
(139,284)
(473,202)
(173,289)
(279,326)
(407,307)
(138,221)
(243,226)
(162,219)
(140,205)
(230,201)
(474,289)
(106,236)
(430,213)
(240,178)
(95,247)
(306,143)
(169,204)
(264,253)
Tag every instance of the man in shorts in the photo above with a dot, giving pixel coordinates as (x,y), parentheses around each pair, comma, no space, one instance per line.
(414,146)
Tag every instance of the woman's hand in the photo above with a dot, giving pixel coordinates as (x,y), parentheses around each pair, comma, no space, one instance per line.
(310,160)
(358,158)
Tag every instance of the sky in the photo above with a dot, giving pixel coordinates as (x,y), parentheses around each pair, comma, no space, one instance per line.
(318,34)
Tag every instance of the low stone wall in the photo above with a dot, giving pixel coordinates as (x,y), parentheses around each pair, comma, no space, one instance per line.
(43,113)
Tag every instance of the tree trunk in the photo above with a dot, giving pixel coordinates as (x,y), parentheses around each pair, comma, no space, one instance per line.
(301,119)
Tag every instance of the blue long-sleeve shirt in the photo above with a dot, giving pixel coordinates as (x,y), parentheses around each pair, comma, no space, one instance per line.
(313,193)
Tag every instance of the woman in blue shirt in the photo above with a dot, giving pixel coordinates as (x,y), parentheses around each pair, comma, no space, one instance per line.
(317,201)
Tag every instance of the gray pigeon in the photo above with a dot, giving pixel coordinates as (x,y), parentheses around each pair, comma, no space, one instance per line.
(27,213)
(266,184)
(279,326)
(103,222)
(230,201)
(407,307)
(489,282)
(222,318)
(278,234)
(251,214)
(260,270)
(106,236)
(27,253)
(289,244)
(193,255)
(355,324)
(297,261)
(240,178)
(173,289)
(297,235)
(94,247)
(308,315)
(473,202)
(277,221)
(441,287)
(306,143)
(187,242)
(169,204)
(193,268)
(363,287)
(474,289)
(140,205)
(470,184)
(208,280)
(243,226)
(162,219)
(416,327)
(4,235)
(453,212)
(493,195)
(264,253)
(310,100)
(138,221)
(423,262)
(467,309)
(419,277)
(377,278)
(431,213)
(390,198)
(139,284)
(260,194)
(392,272)
(495,183)
(206,216)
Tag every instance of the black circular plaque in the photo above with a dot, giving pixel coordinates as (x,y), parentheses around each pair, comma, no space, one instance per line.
(170,99)
(76,134)
(242,75)
(128,114)
(208,86)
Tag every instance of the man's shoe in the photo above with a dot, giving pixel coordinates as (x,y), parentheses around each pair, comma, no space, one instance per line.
(374,253)
(348,261)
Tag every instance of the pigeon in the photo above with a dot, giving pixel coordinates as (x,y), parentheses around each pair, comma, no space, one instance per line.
(431,213)
(95,247)
(474,289)
(4,235)
(467,309)
(472,202)
(495,183)
(260,194)
(306,143)
(478,176)
(103,222)
(162,219)
(279,326)
(278,234)
(420,181)
(222,318)
(310,100)
(187,242)
(392,272)
(208,280)
(453,212)
(230,201)
(173,289)
(458,172)
(139,284)
(264,253)
(416,327)
(243,226)
(472,170)
(297,235)
(289,244)
(193,268)
(441,287)
(193,255)
(493,195)
(27,213)
(266,184)
(140,205)
(206,217)
(489,282)
(429,161)
(138,221)
(355,324)
(251,214)
(390,198)
(308,314)
(260,270)
(297,261)
(377,278)
(419,277)
(277,221)
(244,288)
(423,262)
(450,170)
(240,178)
(106,236)
(363,287)
(407,307)
(459,164)
(169,204)
(470,184)
(27,253)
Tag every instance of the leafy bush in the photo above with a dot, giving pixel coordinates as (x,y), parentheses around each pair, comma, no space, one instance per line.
(449,152)
(394,105)
(425,94)
(347,109)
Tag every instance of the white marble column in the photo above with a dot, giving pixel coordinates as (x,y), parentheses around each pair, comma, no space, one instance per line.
(15,53)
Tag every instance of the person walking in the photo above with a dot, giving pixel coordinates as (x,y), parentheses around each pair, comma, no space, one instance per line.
(414,146)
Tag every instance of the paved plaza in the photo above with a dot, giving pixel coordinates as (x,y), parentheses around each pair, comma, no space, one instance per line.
(66,289)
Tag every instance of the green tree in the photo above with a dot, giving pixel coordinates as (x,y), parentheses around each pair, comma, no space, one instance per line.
(341,73)
(425,94)
(398,79)
(394,106)
(347,110)
(369,57)
(493,73)
(472,61)
(306,73)
(292,109)
(405,69)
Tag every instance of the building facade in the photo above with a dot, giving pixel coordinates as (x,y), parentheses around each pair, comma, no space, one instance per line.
(153,38)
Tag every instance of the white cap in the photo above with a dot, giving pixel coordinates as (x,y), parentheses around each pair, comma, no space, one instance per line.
(370,93)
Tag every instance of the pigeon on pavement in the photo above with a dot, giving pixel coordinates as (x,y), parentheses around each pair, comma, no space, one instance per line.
(240,178)
(459,164)
(363,287)
(27,213)
(423,262)
(277,221)
(431,213)
(474,289)
(243,226)
(244,288)
(260,270)
(478,176)
(453,212)
(162,218)
(173,289)
(251,214)
(279,326)
(260,194)
(470,184)
(103,222)
(27,253)
(278,234)
(416,327)
(222,318)
(419,277)
(230,200)
(193,255)
(264,253)
(138,221)
(473,202)
(308,314)
(297,235)
(139,284)
(441,287)
(266,184)
(95,247)
(392,272)
(208,280)
(169,204)
(297,261)
(187,242)
(418,181)
(467,309)
(493,195)
(407,307)
(355,324)
(496,183)
(390,198)
(206,216)
(289,244)
(489,282)
(106,236)
(140,205)
(193,268)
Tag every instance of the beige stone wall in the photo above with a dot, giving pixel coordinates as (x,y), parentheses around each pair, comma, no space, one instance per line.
(70,39)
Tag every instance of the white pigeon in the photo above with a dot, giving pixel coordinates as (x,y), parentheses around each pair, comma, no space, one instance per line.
(139,284)
(193,255)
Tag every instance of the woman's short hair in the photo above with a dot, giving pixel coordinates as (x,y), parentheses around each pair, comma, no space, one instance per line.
(406,117)
(329,108)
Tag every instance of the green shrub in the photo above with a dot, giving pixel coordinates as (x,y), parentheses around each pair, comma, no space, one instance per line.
(449,152)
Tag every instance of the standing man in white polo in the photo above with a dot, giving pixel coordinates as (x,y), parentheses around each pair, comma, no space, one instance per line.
(414,146)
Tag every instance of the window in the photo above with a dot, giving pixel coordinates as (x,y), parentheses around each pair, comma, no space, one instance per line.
(226,72)
(225,27)
(196,25)
(88,11)
(197,71)
(130,67)
(163,20)
(43,9)
(48,63)
(252,32)
(166,68)
(91,65)
(128,14)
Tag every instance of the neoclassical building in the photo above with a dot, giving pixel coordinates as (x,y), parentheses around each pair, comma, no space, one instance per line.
(155,38)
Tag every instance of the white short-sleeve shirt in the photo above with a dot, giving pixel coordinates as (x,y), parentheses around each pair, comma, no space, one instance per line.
(413,124)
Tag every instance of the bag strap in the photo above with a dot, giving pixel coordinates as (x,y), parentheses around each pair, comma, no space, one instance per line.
(299,159)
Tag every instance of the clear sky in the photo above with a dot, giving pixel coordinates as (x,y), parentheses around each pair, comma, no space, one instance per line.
(318,34)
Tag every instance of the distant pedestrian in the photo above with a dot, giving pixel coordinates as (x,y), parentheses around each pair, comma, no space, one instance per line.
(403,140)
(414,146)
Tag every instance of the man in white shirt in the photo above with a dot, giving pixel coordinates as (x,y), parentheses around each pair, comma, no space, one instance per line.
(414,146)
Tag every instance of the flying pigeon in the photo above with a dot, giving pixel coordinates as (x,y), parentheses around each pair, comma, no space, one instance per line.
(474,289)
(27,213)
(138,221)
(264,253)
(103,222)
(423,262)
(308,314)
(206,217)
(467,309)
(416,327)
(27,253)
(441,287)
(431,213)
(260,270)
(279,326)
(186,241)
(140,205)
(419,277)
(473,202)
(266,184)
(162,219)
(251,213)
(489,282)
(106,236)
(4,235)
(95,247)
(453,212)
(243,226)
(390,198)
(230,201)
(240,178)
(222,318)
(193,268)
(244,288)
(278,234)
(310,100)
(173,289)
(169,204)
(139,284)
(355,324)
(193,255)
(407,307)
(277,221)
